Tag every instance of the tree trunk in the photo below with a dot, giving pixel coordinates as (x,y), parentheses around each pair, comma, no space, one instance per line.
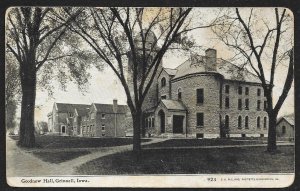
(27,138)
(272,133)
(137,122)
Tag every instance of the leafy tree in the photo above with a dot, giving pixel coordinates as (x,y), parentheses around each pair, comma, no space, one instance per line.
(263,44)
(39,43)
(137,38)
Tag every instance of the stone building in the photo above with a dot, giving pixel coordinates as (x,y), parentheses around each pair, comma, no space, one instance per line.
(95,120)
(285,127)
(202,95)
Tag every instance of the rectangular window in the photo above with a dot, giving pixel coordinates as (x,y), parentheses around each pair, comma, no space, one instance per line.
(164,97)
(265,105)
(146,122)
(200,96)
(258,92)
(103,115)
(149,122)
(200,119)
(247,104)
(240,90)
(153,122)
(200,135)
(227,89)
(258,105)
(247,91)
(103,134)
(103,127)
(240,104)
(227,102)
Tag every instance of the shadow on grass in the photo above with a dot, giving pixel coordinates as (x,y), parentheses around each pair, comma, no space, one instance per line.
(193,161)
(59,157)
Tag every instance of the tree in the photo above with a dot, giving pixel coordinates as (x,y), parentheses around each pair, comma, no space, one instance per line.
(34,37)
(262,43)
(141,35)
(12,92)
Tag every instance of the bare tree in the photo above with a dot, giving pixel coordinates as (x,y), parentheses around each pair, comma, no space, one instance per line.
(140,36)
(262,44)
(34,38)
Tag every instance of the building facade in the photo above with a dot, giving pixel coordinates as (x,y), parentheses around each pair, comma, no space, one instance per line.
(202,95)
(285,127)
(95,120)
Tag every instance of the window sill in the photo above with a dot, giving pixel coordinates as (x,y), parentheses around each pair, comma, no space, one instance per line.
(199,127)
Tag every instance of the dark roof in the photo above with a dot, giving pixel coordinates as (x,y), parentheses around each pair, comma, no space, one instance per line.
(108,108)
(223,67)
(82,111)
(70,107)
(173,104)
(289,118)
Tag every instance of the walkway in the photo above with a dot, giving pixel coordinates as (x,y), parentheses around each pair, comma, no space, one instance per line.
(22,163)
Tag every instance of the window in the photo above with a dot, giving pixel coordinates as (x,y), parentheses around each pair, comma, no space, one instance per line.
(240,104)
(153,122)
(262,135)
(243,135)
(179,94)
(240,122)
(227,89)
(199,119)
(200,96)
(103,134)
(246,91)
(226,121)
(283,129)
(163,82)
(146,122)
(149,122)
(258,122)
(246,122)
(199,135)
(258,92)
(265,105)
(227,102)
(103,127)
(103,115)
(70,114)
(240,90)
(164,97)
(258,105)
(247,104)
(265,122)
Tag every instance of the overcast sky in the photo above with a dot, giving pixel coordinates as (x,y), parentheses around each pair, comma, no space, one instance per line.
(104,86)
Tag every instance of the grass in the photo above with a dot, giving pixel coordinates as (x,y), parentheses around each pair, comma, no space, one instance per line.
(60,156)
(202,142)
(193,161)
(50,141)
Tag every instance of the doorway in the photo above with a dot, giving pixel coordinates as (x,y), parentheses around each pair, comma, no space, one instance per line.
(161,115)
(178,123)
(63,129)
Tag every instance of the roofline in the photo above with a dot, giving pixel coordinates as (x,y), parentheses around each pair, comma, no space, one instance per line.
(197,73)
(285,120)
(172,109)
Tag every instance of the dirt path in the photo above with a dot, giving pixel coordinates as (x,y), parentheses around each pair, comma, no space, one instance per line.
(22,163)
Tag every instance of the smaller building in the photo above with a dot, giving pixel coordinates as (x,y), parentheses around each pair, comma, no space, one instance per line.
(285,127)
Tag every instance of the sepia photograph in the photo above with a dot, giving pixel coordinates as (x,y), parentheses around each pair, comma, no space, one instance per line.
(186,97)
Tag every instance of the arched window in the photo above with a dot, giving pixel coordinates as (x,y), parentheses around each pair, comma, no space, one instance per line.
(246,122)
(258,122)
(227,121)
(240,122)
(265,122)
(179,93)
(163,82)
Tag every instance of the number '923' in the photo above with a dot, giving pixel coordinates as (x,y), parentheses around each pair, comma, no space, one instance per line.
(212,179)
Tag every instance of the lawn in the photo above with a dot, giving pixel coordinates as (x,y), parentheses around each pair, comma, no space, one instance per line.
(50,141)
(59,156)
(202,142)
(193,161)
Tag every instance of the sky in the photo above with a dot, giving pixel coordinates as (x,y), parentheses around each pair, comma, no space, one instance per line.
(104,85)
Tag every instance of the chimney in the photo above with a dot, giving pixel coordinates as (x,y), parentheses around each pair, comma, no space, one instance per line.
(211,59)
(115,105)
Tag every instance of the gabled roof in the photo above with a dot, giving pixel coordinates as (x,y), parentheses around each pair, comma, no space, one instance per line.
(108,108)
(70,107)
(173,104)
(82,111)
(223,67)
(170,71)
(289,118)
